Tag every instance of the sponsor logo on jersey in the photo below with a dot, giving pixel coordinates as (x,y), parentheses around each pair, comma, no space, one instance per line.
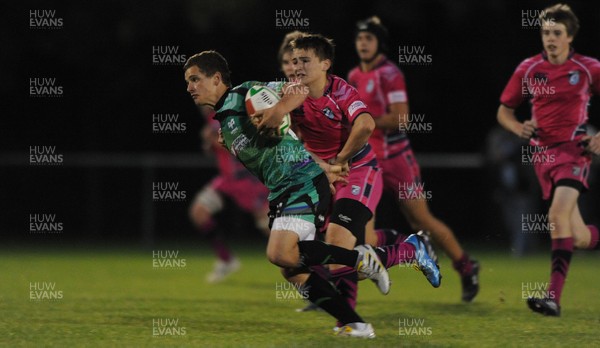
(239,144)
(370,85)
(573,77)
(355,106)
(231,123)
(576,170)
(355,190)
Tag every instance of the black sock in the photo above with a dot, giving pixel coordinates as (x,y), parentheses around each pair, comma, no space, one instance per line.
(325,295)
(314,253)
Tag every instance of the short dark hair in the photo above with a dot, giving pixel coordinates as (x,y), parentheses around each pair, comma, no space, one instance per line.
(374,26)
(323,47)
(286,44)
(210,62)
(561,13)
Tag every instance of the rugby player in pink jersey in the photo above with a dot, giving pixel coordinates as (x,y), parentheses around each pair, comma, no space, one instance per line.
(381,85)
(335,126)
(559,83)
(234,182)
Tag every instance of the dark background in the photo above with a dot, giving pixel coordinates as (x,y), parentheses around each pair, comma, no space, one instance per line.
(102,57)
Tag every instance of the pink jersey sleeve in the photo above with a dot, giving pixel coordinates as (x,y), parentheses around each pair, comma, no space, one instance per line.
(512,96)
(595,71)
(348,100)
(393,84)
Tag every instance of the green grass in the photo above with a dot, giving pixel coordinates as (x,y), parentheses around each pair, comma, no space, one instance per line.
(111,297)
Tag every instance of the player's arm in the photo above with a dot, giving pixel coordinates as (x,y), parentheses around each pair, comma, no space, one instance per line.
(507,119)
(293,96)
(362,128)
(333,172)
(396,117)
(593,141)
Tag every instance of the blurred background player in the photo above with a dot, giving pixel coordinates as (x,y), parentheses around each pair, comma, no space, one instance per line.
(335,126)
(381,85)
(559,83)
(285,54)
(234,182)
(299,189)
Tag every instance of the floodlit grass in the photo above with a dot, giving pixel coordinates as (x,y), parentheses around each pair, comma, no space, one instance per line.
(112,298)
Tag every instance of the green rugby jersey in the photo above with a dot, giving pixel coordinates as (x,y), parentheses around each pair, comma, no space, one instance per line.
(279,164)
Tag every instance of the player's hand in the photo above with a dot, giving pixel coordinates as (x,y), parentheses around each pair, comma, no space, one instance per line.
(333,178)
(337,167)
(209,138)
(268,120)
(220,138)
(527,129)
(593,143)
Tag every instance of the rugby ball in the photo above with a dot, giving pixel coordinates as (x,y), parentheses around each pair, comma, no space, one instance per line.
(260,98)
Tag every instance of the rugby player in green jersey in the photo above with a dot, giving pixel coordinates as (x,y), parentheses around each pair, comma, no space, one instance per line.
(299,189)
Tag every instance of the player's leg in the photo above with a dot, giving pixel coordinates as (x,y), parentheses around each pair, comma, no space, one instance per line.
(371,236)
(402,173)
(568,171)
(295,216)
(353,207)
(584,236)
(285,243)
(563,204)
(322,292)
(294,235)
(207,203)
(382,236)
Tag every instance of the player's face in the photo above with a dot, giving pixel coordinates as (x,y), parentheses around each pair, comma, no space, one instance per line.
(308,67)
(201,87)
(555,39)
(366,45)
(287,66)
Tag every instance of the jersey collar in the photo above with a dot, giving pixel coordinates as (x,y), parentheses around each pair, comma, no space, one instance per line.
(571,53)
(220,104)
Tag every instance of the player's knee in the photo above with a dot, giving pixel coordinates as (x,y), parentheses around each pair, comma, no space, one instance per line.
(340,236)
(199,214)
(282,260)
(558,216)
(296,276)
(352,216)
(282,257)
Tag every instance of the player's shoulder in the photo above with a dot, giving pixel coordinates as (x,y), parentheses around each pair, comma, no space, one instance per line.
(528,63)
(340,88)
(588,61)
(245,86)
(388,67)
(354,73)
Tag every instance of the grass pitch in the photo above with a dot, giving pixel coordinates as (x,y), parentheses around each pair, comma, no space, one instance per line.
(119,299)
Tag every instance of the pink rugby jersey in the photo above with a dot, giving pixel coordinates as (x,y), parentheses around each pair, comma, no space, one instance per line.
(378,88)
(326,122)
(559,95)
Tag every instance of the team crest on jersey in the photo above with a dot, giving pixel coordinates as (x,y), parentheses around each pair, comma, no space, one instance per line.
(355,190)
(231,123)
(573,77)
(576,171)
(370,85)
(328,113)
